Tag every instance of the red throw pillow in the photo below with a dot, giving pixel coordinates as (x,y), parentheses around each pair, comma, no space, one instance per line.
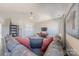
(42,34)
(24,42)
(46,43)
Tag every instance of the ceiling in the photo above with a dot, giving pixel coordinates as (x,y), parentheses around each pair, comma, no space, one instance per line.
(40,11)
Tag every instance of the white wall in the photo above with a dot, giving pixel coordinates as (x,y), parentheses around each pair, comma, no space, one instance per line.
(5,27)
(52,25)
(1,21)
(33,28)
(17,19)
(74,42)
(25,28)
(22,27)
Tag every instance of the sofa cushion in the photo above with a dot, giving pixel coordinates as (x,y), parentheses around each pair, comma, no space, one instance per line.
(36,43)
(10,42)
(46,43)
(20,50)
(54,49)
(15,48)
(24,42)
(43,34)
(37,51)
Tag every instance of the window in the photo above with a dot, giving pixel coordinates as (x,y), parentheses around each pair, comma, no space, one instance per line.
(29,30)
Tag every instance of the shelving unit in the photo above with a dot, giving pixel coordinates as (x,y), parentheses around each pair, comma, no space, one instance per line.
(14,30)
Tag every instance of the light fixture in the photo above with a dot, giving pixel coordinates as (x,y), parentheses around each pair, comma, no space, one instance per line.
(31,16)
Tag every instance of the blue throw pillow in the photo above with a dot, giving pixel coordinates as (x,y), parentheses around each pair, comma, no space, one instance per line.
(36,42)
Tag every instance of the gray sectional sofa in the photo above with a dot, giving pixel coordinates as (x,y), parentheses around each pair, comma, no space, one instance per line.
(14,48)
